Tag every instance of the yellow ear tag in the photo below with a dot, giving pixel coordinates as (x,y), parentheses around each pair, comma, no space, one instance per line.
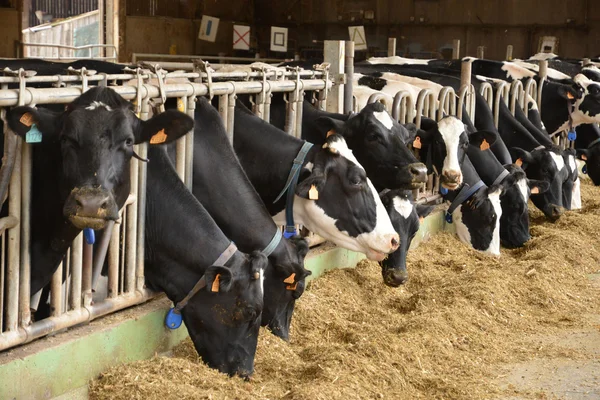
(484,145)
(26,119)
(519,162)
(290,279)
(570,96)
(331,132)
(180,105)
(584,157)
(417,143)
(535,190)
(421,219)
(313,193)
(159,137)
(215,285)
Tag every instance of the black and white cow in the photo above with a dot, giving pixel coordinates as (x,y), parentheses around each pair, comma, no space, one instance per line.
(405,216)
(80,179)
(372,135)
(345,208)
(223,188)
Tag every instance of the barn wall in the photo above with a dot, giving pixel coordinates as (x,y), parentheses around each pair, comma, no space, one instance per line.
(9,31)
(422,27)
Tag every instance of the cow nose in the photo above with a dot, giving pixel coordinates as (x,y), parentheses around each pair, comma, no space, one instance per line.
(91,205)
(452,176)
(418,171)
(395,241)
(395,277)
(556,212)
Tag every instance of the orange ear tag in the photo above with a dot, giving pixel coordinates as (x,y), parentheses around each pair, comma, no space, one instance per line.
(519,162)
(417,143)
(159,137)
(292,287)
(331,132)
(215,285)
(180,105)
(421,219)
(313,193)
(290,279)
(535,190)
(26,119)
(484,145)
(570,96)
(583,157)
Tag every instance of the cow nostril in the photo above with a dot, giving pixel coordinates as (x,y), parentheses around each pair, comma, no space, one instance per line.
(104,205)
(395,242)
(78,203)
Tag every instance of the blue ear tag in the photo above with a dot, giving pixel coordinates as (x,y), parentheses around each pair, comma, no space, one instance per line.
(443,191)
(173,319)
(34,135)
(448,217)
(572,135)
(584,169)
(90,235)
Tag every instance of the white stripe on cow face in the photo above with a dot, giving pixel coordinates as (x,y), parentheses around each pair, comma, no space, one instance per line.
(384,118)
(495,243)
(98,104)
(309,166)
(451,129)
(576,195)
(262,281)
(523,189)
(559,161)
(403,206)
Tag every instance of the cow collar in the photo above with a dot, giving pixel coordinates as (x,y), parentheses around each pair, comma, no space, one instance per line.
(465,193)
(273,243)
(594,142)
(501,177)
(290,187)
(571,134)
(173,319)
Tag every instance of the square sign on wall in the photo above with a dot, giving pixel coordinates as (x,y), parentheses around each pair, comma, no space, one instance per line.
(241,37)
(357,35)
(279,38)
(208,28)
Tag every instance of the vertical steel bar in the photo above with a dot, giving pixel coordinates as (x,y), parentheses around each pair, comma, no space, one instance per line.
(14,244)
(480,52)
(25,278)
(181,143)
(455,49)
(2,271)
(267,107)
(141,203)
(100,253)
(223,108)
(86,274)
(113,262)
(509,52)
(230,115)
(189,145)
(76,271)
(543,73)
(56,292)
(349,71)
(391,47)
(334,54)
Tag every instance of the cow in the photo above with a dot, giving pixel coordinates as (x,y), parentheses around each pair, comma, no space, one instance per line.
(224,194)
(333,198)
(372,135)
(587,145)
(80,179)
(405,216)
(475,208)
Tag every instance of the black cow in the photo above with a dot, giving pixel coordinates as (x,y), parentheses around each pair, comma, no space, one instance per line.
(344,206)
(372,135)
(225,191)
(405,216)
(588,150)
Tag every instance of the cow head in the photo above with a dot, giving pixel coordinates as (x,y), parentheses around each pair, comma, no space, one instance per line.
(514,222)
(379,144)
(96,134)
(571,186)
(284,284)
(584,96)
(405,216)
(337,201)
(547,165)
(223,319)
(477,220)
(447,142)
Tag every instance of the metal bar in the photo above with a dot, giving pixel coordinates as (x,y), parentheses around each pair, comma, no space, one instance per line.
(86,275)
(391,47)
(377,97)
(76,271)
(141,203)
(100,253)
(181,142)
(349,71)
(230,115)
(334,54)
(403,107)
(25,274)
(487,92)
(113,262)
(543,74)
(516,94)
(11,316)
(136,56)
(56,292)
(2,271)
(455,49)
(422,105)
(509,52)
(480,52)
(290,115)
(465,82)
(189,145)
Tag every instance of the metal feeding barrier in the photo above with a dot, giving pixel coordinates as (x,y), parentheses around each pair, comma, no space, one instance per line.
(75,295)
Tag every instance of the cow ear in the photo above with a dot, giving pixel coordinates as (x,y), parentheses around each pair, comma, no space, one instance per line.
(570,93)
(218,279)
(423,210)
(328,126)
(301,245)
(163,128)
(583,154)
(310,187)
(428,124)
(483,139)
(412,131)
(522,158)
(537,186)
(22,119)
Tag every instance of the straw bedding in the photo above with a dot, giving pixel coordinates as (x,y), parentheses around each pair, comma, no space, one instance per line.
(442,336)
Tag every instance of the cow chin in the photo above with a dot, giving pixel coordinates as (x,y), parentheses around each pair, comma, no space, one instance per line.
(375,255)
(88,222)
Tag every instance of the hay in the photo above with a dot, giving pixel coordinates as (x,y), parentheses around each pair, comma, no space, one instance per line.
(442,336)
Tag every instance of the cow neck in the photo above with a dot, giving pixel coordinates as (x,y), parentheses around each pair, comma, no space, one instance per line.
(486,165)
(588,136)
(223,194)
(513,133)
(555,109)
(541,137)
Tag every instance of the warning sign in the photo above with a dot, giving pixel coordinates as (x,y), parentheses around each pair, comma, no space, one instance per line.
(357,35)
(208,28)
(241,37)
(279,38)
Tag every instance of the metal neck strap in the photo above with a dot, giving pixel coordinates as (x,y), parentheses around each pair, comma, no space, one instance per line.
(465,193)
(273,243)
(501,177)
(221,261)
(594,142)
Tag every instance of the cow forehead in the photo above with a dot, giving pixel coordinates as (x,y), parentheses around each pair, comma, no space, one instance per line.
(451,129)
(403,206)
(339,146)
(559,161)
(384,118)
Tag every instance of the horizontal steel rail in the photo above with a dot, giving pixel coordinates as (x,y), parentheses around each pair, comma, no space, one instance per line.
(136,56)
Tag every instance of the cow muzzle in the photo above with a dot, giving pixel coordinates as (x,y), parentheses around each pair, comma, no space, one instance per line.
(391,242)
(418,172)
(394,277)
(89,207)
(554,212)
(451,179)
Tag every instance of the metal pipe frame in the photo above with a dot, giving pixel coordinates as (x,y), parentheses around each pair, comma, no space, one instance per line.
(403,108)
(543,74)
(349,71)
(462,97)
(136,56)
(530,95)
(446,102)
(13,248)
(426,106)
(180,160)
(189,145)
(487,91)
(516,93)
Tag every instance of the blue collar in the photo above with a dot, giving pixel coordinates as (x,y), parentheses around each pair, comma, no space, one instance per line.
(501,177)
(290,187)
(464,194)
(273,243)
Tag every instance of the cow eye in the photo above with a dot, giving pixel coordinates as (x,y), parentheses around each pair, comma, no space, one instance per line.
(355,181)
(594,89)
(129,142)
(372,137)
